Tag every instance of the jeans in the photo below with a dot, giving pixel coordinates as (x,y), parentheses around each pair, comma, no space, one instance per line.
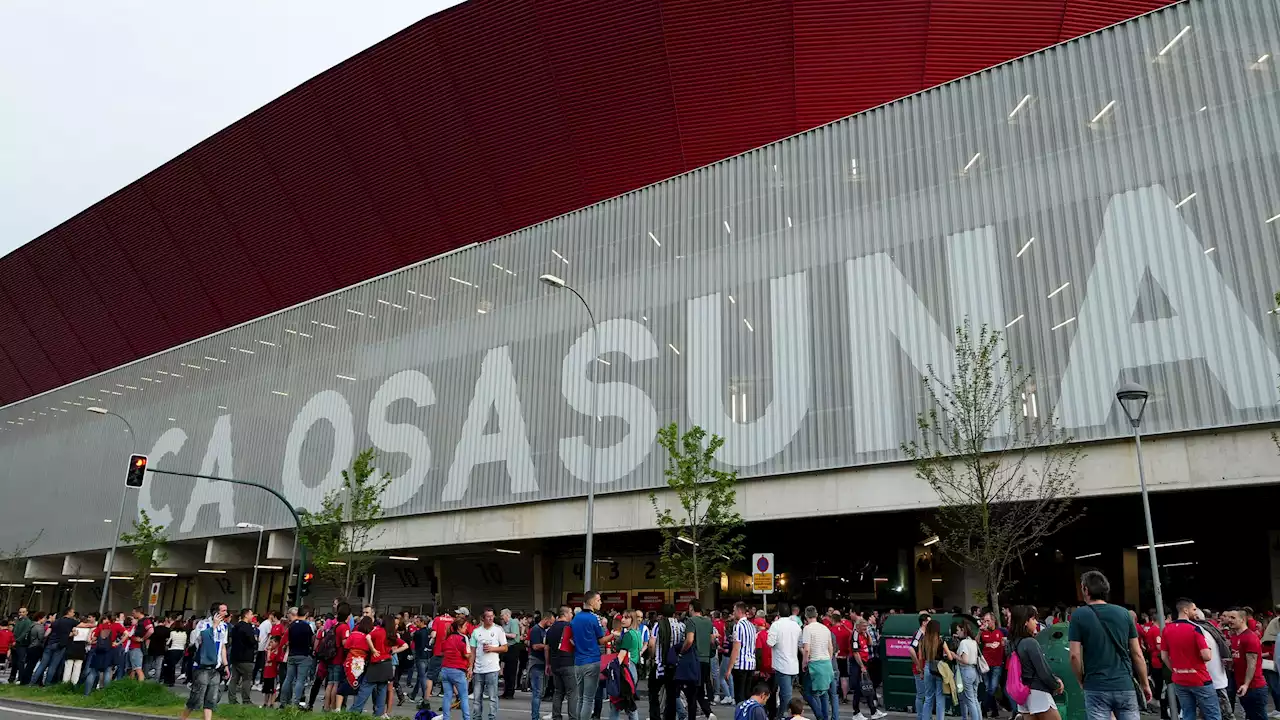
(935,702)
(241,682)
(486,688)
(420,680)
(586,678)
(536,675)
(786,686)
(921,690)
(724,683)
(990,684)
(818,701)
(969,707)
(564,689)
(455,685)
(91,675)
(151,667)
(833,698)
(296,679)
(50,662)
(1100,704)
(1254,703)
(379,692)
(1202,697)
(1273,685)
(204,689)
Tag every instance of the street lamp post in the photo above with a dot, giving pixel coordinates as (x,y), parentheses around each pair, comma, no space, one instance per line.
(124,489)
(253,587)
(1132,398)
(588,564)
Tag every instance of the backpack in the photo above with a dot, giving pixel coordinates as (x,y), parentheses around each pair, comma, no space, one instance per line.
(327,650)
(103,643)
(1016,689)
(37,636)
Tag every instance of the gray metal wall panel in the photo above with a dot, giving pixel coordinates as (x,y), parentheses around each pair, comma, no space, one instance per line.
(822,271)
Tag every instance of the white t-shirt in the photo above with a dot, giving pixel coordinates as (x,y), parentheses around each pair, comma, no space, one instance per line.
(784,638)
(487,662)
(968,652)
(264,635)
(1216,671)
(818,638)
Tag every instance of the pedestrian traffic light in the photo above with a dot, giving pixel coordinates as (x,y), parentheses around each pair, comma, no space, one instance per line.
(137,469)
(306,584)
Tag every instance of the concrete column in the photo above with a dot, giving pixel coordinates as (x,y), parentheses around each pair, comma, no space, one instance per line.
(539,582)
(442,602)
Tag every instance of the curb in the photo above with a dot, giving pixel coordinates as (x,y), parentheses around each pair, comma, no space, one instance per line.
(71,709)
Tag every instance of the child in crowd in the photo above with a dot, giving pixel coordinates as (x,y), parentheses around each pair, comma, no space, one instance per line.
(6,641)
(270,669)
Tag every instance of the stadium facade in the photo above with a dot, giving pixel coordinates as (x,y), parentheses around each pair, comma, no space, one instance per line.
(1111,203)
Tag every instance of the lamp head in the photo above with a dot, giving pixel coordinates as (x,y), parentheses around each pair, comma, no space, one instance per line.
(552,280)
(1133,400)
(97,410)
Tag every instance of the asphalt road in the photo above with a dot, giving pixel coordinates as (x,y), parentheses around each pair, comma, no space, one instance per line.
(15,711)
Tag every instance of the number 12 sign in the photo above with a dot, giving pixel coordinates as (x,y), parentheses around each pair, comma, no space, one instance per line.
(762,573)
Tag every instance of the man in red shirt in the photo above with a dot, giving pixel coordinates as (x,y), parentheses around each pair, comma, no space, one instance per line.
(844,636)
(1185,651)
(1246,661)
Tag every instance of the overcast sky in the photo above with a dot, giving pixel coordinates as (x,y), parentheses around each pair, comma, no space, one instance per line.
(96,93)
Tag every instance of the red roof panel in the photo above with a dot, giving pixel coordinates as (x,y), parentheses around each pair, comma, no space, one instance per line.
(473,123)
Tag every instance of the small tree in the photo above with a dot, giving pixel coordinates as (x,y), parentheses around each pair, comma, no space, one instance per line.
(339,534)
(147,540)
(704,537)
(13,567)
(1001,491)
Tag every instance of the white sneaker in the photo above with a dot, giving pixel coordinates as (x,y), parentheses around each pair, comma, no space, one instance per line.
(859,716)
(1275,715)
(879,714)
(712,716)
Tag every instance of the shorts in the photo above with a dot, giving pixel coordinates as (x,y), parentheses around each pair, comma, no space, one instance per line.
(333,675)
(205,689)
(843,665)
(134,659)
(1039,702)
(268,685)
(433,668)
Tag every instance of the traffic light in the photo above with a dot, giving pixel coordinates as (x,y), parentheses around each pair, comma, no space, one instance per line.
(306,584)
(137,469)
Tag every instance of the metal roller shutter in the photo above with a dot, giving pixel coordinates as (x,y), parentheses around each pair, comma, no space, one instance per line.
(492,579)
(404,586)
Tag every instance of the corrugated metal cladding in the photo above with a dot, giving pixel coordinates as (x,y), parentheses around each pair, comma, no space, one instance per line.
(1114,209)
(487,118)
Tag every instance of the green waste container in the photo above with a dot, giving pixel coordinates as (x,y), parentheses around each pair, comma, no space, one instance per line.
(895,650)
(1057,650)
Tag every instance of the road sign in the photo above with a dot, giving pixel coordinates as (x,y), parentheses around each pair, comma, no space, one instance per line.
(154,599)
(762,573)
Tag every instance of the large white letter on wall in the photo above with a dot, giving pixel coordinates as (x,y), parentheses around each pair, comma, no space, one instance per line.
(495,389)
(883,308)
(747,444)
(217,461)
(332,407)
(617,399)
(170,443)
(1144,233)
(402,437)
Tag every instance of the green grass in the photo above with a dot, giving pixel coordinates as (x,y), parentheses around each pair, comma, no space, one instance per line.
(147,699)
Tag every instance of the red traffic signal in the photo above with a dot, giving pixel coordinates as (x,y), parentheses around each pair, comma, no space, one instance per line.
(137,471)
(307,577)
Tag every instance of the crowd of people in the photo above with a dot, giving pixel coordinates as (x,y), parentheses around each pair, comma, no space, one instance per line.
(583,661)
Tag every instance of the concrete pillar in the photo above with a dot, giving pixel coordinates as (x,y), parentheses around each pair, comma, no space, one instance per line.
(442,602)
(539,582)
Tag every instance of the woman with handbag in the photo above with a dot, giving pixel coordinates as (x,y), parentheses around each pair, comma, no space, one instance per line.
(933,651)
(861,684)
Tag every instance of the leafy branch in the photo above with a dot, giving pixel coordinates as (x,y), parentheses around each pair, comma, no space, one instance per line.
(1004,477)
